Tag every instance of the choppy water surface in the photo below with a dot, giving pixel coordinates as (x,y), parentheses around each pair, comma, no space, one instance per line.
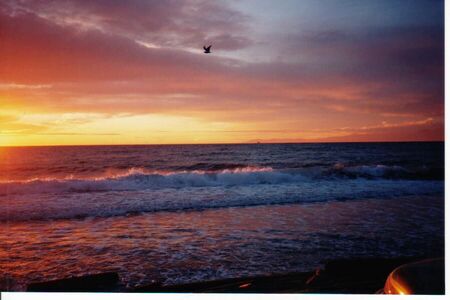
(188,213)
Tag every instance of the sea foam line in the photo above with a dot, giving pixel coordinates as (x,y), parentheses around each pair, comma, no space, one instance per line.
(142,178)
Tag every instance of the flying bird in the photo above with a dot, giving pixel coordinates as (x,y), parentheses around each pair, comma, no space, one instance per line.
(207,49)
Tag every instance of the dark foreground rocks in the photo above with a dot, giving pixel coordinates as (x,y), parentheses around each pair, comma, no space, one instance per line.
(352,276)
(103,282)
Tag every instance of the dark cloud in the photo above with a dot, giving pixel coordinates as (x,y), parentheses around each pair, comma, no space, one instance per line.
(86,51)
(169,23)
(35,50)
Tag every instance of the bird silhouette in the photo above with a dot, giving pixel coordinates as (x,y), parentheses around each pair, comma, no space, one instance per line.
(207,49)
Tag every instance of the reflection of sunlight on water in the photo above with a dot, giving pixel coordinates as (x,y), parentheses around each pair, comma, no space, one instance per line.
(199,245)
(5,159)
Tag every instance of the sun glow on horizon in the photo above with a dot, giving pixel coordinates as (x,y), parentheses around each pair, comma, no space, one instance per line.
(268,79)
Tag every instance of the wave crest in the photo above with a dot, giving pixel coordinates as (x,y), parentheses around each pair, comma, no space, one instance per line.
(141,179)
(137,178)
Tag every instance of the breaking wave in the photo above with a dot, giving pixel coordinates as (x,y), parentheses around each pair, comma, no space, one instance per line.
(142,179)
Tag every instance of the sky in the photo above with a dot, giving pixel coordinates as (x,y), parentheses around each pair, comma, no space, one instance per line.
(80,72)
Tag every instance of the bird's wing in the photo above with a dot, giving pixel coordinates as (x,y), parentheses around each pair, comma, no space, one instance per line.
(204,48)
(209,47)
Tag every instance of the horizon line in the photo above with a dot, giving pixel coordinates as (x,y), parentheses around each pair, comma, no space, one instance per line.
(237,143)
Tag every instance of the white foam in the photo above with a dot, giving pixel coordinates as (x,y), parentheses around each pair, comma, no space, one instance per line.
(140,179)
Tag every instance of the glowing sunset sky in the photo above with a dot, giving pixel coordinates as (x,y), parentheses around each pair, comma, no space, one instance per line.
(133,72)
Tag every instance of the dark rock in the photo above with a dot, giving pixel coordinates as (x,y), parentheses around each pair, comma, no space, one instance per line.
(103,282)
(345,276)
(286,283)
(6,283)
(354,276)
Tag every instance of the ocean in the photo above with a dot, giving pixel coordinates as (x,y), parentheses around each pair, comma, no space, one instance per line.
(186,213)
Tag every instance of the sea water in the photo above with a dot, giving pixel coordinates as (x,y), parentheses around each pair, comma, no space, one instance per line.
(186,213)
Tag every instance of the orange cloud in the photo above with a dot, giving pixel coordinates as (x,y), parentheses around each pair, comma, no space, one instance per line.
(76,59)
